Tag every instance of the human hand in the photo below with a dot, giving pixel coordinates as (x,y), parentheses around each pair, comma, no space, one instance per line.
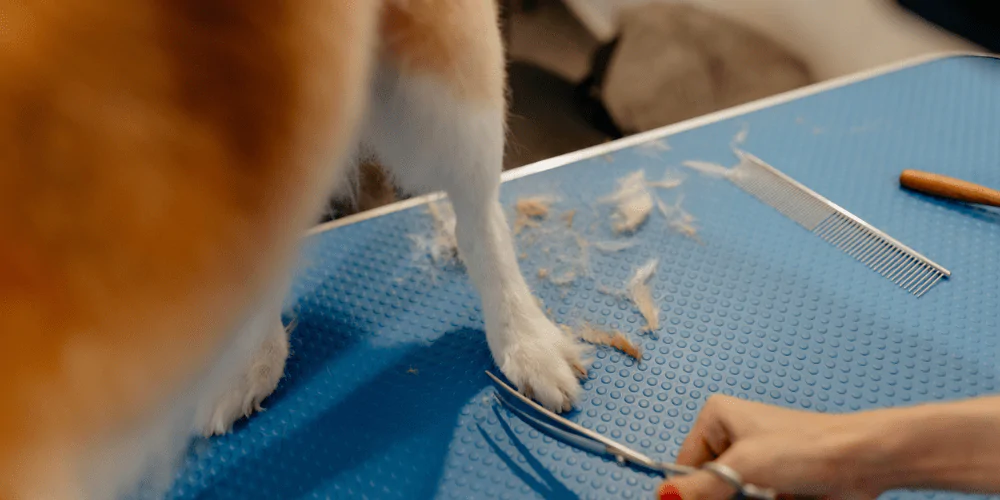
(793,452)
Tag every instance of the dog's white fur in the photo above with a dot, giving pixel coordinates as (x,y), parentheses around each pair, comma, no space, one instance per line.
(264,346)
(429,141)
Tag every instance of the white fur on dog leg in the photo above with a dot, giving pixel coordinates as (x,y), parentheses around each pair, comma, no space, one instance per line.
(429,139)
(257,382)
(544,364)
(541,360)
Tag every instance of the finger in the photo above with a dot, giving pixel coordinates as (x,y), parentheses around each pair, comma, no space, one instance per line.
(709,437)
(698,448)
(701,485)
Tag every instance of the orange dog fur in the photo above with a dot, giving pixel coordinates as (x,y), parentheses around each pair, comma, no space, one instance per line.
(159,160)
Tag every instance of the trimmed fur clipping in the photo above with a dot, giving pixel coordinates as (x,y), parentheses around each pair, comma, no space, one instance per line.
(440,246)
(444,246)
(679,219)
(640,294)
(614,339)
(707,168)
(530,211)
(633,202)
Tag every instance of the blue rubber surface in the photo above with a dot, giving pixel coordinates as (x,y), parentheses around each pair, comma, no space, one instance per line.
(385,395)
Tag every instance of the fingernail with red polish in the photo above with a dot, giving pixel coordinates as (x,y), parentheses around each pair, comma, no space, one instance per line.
(668,492)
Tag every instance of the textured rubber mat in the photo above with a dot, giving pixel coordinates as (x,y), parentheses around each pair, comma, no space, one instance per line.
(385,395)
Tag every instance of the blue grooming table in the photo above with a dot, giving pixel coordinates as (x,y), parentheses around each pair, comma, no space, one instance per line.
(385,395)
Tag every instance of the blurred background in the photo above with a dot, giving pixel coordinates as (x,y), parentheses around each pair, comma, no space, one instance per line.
(584,72)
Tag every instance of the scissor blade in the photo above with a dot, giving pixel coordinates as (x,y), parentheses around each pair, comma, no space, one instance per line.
(610,447)
(578,441)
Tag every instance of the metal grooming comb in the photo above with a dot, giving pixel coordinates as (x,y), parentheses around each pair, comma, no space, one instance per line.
(842,229)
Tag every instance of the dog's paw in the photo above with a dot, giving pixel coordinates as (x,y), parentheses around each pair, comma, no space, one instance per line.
(257,382)
(543,362)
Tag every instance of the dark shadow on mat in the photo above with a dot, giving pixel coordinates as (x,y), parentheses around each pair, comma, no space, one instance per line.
(315,340)
(325,317)
(546,485)
(400,422)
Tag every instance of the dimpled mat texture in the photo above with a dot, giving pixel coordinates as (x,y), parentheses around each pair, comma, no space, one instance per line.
(385,395)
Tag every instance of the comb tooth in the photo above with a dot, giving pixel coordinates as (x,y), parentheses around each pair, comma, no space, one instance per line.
(834,230)
(842,226)
(849,233)
(911,286)
(823,225)
(913,269)
(897,261)
(854,233)
(807,211)
(883,258)
(795,207)
(822,212)
(860,236)
(818,211)
(869,253)
(931,284)
(900,262)
(905,265)
(845,230)
(835,222)
(915,277)
(832,222)
(923,281)
(864,247)
(919,276)
(888,260)
(878,256)
(922,289)
(902,270)
(861,244)
(916,268)
(919,287)
(907,280)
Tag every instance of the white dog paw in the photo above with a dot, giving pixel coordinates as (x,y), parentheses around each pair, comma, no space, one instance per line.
(543,362)
(257,383)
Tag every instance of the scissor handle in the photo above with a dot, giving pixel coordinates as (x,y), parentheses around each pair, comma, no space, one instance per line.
(734,479)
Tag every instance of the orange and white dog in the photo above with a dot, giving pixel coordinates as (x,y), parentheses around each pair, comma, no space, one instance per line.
(159,160)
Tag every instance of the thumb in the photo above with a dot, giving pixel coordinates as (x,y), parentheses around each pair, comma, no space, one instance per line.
(701,485)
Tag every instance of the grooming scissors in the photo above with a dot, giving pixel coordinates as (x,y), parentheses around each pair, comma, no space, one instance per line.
(590,441)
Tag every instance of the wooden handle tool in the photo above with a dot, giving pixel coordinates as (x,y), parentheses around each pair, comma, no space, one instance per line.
(949,187)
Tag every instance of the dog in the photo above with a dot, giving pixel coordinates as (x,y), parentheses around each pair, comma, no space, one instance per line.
(159,161)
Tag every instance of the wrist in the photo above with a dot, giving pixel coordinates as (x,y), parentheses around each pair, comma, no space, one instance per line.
(934,446)
(860,455)
(877,450)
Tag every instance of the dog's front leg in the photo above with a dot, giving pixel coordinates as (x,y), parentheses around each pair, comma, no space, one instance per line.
(437,122)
